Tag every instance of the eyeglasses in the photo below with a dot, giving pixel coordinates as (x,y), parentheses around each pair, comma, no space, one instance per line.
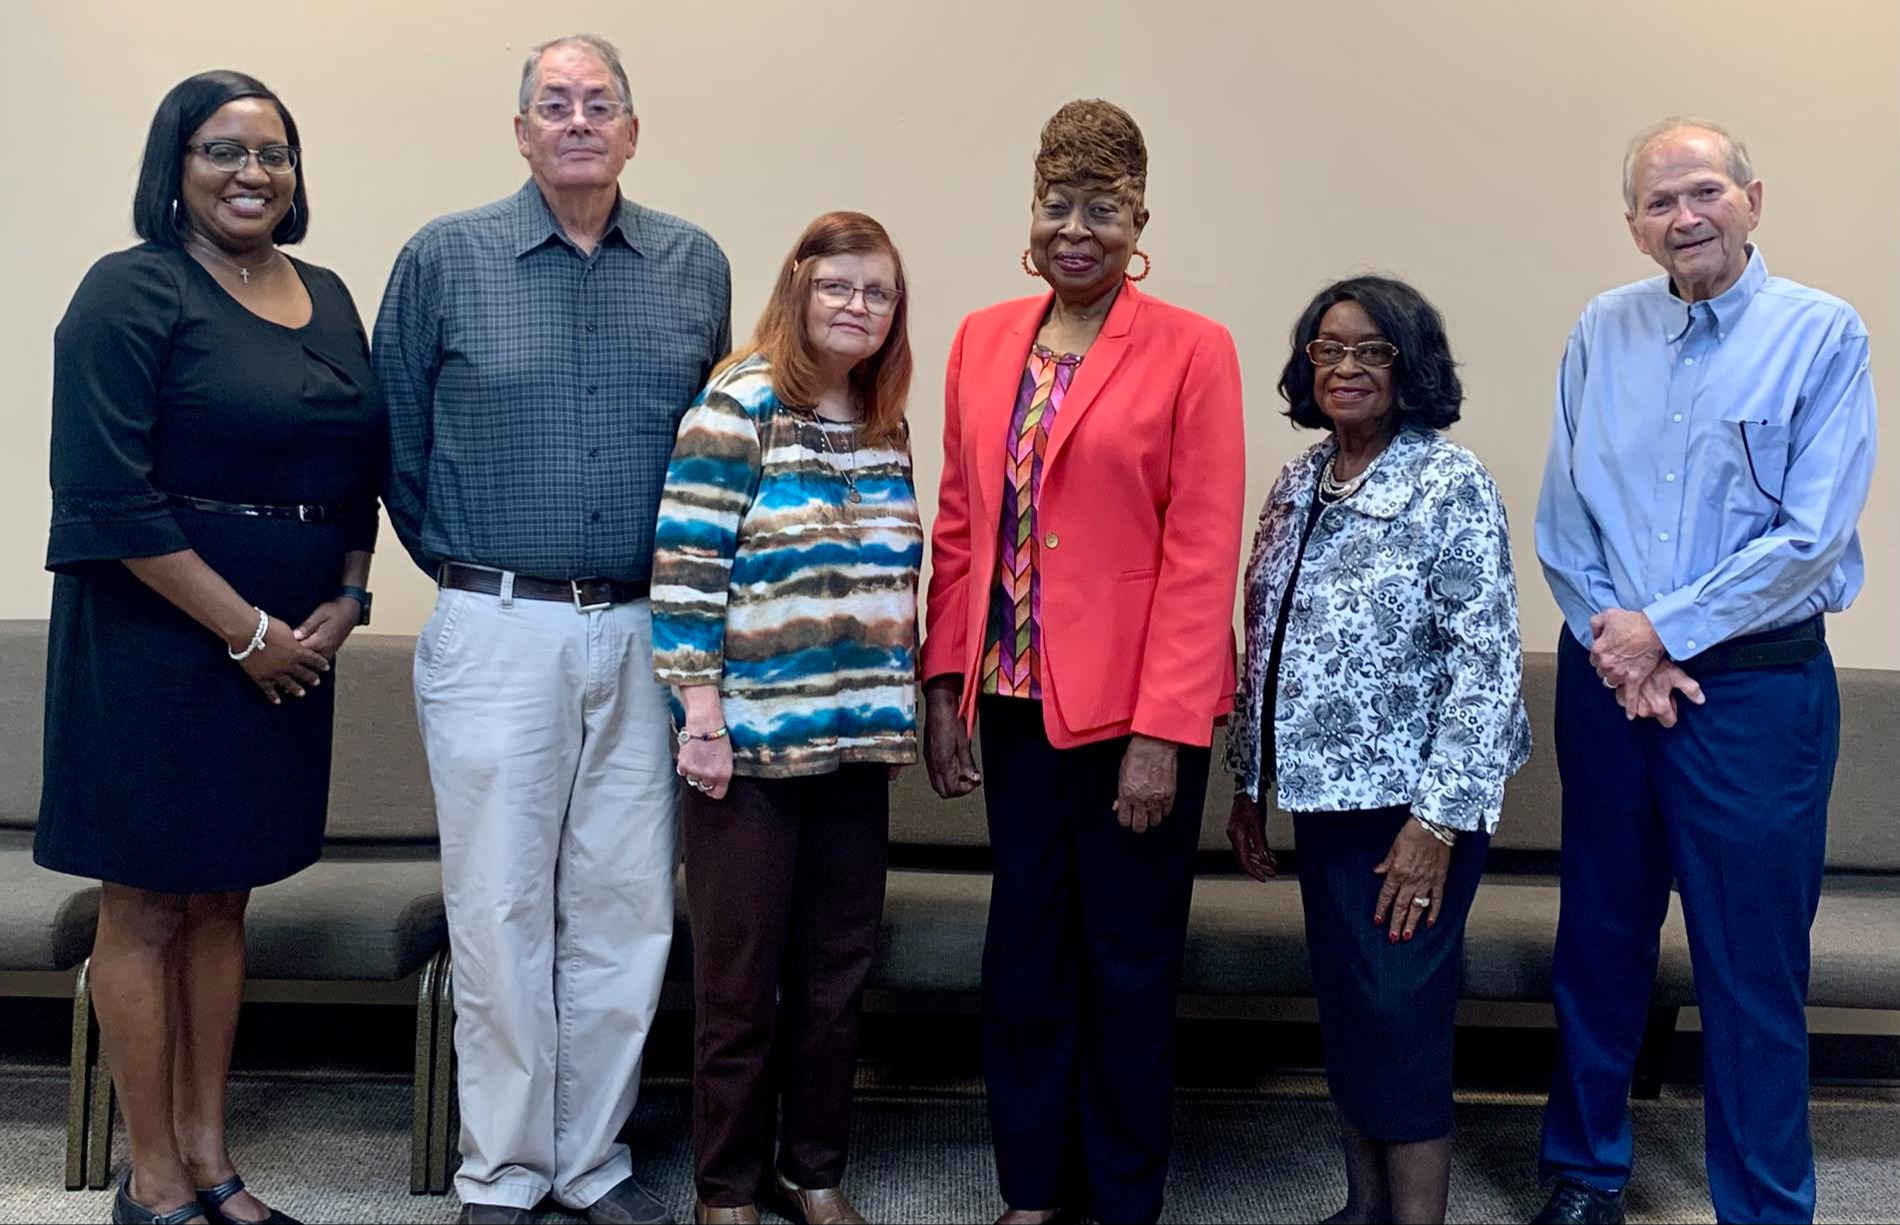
(597,111)
(229,157)
(878,299)
(1376,354)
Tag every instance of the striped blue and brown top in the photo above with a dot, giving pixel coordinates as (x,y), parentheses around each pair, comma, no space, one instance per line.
(773,582)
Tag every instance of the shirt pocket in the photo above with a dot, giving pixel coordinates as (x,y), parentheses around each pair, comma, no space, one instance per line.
(1756,451)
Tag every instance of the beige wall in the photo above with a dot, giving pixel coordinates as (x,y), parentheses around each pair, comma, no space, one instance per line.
(1471,147)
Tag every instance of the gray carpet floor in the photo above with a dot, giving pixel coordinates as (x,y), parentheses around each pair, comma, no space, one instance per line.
(337,1150)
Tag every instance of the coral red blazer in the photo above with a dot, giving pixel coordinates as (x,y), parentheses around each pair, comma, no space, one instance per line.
(1140,516)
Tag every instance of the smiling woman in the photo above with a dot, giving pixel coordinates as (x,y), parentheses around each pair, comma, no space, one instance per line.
(1089,514)
(1381,696)
(217,439)
(785,615)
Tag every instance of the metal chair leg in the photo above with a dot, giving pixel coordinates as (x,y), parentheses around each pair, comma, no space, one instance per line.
(425,1069)
(76,1074)
(99,1125)
(442,1083)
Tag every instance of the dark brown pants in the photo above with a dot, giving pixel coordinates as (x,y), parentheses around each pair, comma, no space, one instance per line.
(785,889)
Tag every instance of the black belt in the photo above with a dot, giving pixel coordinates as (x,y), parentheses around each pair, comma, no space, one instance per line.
(302,513)
(586,594)
(1791,644)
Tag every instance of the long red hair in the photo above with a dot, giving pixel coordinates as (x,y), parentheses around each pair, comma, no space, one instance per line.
(881,382)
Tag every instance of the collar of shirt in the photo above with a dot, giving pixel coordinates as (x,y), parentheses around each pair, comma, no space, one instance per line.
(1723,309)
(535,223)
(1389,487)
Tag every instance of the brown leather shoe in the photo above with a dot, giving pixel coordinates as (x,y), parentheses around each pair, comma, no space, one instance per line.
(706,1214)
(806,1206)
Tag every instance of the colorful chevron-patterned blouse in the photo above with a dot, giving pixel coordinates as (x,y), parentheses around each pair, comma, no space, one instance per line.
(771,581)
(1012,649)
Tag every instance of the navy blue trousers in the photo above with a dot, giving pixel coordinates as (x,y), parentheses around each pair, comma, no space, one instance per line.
(1081,964)
(1730,804)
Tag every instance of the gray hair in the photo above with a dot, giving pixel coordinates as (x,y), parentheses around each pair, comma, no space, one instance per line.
(605,51)
(1734,152)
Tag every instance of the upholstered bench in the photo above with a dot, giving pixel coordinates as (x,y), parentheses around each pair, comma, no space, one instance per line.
(370,911)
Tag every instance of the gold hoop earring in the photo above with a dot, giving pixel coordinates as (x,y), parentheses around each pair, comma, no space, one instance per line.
(1027,266)
(1147,266)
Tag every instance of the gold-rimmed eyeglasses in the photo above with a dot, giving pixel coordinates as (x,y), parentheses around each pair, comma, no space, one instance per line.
(1377,354)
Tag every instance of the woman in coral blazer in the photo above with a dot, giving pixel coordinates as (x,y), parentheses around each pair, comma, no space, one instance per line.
(1080,620)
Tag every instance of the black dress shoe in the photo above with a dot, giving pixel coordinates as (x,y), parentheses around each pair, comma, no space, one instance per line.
(1575,1203)
(128,1211)
(493,1214)
(211,1201)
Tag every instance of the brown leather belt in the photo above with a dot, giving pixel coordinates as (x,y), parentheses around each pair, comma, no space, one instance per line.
(586,594)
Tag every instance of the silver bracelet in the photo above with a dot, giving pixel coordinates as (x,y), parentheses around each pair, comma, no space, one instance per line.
(257,638)
(1444,834)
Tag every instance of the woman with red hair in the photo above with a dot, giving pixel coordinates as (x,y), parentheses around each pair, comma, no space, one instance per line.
(785,618)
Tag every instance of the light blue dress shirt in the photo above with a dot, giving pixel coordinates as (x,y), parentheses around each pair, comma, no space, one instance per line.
(1709,462)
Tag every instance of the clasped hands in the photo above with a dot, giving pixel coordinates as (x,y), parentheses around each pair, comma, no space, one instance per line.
(1627,653)
(292,661)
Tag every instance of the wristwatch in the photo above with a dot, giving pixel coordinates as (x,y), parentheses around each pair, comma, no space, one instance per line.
(361,596)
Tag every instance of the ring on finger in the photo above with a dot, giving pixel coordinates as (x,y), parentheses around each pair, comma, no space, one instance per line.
(1421,901)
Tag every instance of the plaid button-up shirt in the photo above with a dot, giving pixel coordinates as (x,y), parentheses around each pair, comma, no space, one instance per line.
(534,391)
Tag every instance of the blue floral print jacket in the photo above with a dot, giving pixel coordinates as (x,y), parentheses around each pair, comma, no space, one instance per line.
(1401,669)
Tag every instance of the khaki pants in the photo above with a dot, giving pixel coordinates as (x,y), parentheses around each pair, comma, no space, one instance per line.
(548,746)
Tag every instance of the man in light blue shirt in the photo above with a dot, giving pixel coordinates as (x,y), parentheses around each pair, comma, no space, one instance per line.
(1713,449)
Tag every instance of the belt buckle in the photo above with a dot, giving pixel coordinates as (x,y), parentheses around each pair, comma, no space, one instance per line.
(309,514)
(575,586)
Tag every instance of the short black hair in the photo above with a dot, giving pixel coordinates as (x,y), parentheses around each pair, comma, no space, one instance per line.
(162,173)
(1426,393)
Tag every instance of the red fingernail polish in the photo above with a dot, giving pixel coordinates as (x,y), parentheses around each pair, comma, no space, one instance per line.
(1408,935)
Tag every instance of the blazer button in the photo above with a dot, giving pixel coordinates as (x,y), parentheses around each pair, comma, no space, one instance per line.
(1051,541)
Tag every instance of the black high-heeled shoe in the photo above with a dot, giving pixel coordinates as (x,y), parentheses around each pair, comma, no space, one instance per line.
(211,1202)
(128,1211)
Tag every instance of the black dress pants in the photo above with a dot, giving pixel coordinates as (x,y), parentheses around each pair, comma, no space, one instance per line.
(1081,966)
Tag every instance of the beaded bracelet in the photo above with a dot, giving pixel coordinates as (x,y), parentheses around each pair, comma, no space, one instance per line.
(257,638)
(1447,836)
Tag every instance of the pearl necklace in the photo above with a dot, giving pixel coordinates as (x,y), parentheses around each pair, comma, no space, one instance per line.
(1333,491)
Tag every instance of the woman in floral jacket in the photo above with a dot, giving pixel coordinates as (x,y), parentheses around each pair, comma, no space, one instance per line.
(1381,692)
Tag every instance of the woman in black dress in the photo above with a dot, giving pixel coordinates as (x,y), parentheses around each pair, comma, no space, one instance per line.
(217,443)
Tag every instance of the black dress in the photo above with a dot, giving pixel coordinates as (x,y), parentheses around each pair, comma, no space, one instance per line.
(165,767)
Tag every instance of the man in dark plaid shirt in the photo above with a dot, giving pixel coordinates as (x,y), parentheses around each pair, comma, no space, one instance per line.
(537,355)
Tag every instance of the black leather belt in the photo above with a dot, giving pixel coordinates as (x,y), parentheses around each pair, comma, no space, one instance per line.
(1791,644)
(586,594)
(301,513)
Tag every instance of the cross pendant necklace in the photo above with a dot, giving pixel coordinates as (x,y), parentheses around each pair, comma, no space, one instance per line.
(243,270)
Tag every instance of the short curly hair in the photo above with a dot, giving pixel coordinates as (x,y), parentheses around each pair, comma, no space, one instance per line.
(1426,393)
(1092,143)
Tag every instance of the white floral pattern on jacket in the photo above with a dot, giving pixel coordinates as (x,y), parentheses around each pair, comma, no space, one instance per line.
(1401,669)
